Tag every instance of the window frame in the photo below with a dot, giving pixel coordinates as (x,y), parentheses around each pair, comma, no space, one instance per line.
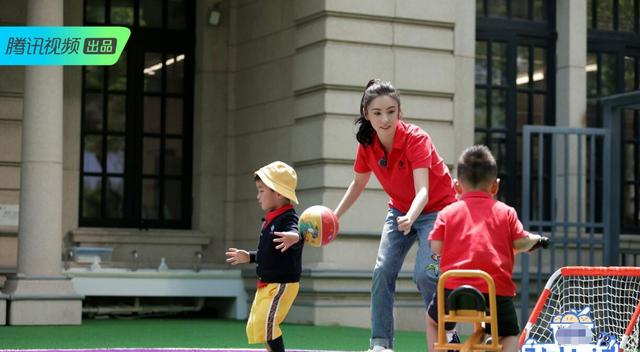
(483,4)
(142,40)
(515,33)
(613,43)
(592,26)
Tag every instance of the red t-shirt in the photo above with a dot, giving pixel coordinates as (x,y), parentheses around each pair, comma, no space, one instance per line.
(412,149)
(478,233)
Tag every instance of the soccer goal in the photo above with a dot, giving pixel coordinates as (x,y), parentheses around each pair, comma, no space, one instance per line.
(586,309)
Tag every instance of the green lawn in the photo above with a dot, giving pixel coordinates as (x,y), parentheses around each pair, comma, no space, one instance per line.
(193,333)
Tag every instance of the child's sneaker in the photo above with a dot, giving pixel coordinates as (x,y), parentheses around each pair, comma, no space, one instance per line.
(452,337)
(487,339)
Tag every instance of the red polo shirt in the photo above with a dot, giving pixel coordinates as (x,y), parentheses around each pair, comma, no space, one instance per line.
(412,149)
(478,233)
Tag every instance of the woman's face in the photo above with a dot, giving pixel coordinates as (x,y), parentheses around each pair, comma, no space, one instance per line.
(384,113)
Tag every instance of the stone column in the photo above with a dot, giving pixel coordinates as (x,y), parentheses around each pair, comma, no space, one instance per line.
(571,50)
(39,294)
(465,55)
(571,105)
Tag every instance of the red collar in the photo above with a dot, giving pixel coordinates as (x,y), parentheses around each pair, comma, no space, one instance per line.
(270,215)
(476,194)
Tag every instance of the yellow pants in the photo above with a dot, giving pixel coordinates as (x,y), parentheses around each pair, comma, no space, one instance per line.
(270,306)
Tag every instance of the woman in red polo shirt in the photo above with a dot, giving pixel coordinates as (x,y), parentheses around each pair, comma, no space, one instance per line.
(412,173)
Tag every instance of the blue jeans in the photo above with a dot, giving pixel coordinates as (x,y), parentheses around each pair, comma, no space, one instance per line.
(394,246)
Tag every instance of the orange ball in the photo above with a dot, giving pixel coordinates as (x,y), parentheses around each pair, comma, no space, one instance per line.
(318,225)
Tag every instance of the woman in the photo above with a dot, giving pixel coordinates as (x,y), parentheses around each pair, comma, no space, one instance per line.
(418,183)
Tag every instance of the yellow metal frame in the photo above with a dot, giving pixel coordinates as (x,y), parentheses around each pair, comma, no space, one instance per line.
(473,343)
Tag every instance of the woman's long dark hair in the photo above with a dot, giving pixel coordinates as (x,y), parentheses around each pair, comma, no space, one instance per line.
(375,88)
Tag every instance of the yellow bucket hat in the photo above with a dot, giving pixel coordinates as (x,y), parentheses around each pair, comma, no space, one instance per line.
(281,178)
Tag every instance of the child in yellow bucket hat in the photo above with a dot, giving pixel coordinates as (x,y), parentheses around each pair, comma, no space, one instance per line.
(278,257)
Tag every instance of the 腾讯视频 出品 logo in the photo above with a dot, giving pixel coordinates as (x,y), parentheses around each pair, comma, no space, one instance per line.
(32,45)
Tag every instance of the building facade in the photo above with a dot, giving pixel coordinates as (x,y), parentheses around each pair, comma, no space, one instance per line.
(156,153)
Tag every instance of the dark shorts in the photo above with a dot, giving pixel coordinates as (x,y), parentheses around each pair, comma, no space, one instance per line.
(507,318)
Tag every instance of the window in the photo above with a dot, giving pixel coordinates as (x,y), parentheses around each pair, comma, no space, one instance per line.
(514,82)
(137,119)
(613,66)
(613,15)
(631,172)
(528,10)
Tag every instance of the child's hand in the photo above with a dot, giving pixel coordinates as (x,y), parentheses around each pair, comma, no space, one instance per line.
(543,242)
(237,256)
(404,224)
(286,239)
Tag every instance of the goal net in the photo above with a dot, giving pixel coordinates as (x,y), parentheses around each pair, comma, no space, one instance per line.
(594,309)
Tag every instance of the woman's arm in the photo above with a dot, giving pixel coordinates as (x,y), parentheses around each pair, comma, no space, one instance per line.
(356,187)
(421,185)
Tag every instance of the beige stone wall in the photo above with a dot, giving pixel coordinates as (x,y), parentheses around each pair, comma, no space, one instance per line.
(424,48)
(210,158)
(11,114)
(260,106)
(427,51)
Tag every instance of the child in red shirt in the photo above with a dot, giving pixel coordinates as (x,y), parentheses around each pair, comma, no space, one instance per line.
(479,232)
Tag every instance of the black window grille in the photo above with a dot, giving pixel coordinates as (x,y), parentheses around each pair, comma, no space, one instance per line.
(613,66)
(137,118)
(514,82)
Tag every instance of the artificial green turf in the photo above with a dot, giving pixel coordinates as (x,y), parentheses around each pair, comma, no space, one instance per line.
(190,333)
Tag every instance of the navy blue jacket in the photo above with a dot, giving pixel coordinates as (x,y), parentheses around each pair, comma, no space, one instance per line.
(274,265)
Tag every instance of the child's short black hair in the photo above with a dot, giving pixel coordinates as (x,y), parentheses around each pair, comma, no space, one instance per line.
(477,166)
